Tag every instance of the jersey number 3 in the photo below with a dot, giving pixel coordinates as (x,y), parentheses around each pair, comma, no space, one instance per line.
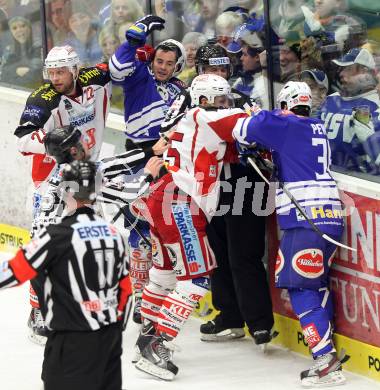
(323,159)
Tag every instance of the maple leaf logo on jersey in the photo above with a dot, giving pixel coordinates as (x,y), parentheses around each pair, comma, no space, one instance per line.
(206,167)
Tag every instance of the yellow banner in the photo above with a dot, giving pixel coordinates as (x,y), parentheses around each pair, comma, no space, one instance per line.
(364,358)
(12,237)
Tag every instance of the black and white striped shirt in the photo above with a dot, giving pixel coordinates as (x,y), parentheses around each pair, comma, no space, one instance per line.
(122,181)
(123,177)
(82,269)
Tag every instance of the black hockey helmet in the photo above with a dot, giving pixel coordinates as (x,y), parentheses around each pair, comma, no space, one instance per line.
(82,174)
(212,55)
(59,141)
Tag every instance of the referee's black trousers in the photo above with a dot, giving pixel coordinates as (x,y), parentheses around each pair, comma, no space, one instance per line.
(84,360)
(239,285)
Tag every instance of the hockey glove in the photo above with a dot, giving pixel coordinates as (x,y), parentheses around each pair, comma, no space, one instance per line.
(244,151)
(137,33)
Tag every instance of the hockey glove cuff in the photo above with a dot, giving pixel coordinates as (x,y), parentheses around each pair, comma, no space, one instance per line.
(137,33)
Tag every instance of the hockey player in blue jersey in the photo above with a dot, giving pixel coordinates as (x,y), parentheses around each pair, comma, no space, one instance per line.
(352,115)
(149,89)
(301,154)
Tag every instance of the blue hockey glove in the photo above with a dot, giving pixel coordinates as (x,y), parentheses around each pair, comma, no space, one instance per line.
(137,33)
(244,151)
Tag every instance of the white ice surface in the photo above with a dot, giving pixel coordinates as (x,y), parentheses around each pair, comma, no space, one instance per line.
(203,366)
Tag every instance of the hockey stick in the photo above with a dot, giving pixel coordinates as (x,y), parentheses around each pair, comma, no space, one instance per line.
(295,202)
(138,231)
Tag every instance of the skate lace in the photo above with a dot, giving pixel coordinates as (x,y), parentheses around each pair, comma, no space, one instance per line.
(163,351)
(322,362)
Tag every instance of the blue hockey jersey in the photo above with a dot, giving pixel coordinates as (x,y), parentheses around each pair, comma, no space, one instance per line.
(301,153)
(146,100)
(348,150)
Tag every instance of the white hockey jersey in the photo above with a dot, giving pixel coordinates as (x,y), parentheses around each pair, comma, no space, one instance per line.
(47,109)
(198,147)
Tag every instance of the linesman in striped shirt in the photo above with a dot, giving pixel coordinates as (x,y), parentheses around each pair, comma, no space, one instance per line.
(82,267)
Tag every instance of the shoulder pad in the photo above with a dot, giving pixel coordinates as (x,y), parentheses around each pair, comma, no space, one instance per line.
(45,95)
(93,75)
(179,83)
(103,66)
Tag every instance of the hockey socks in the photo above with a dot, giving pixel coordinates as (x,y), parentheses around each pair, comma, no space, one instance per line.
(179,304)
(311,308)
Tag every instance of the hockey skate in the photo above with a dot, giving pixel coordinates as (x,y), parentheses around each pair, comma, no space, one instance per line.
(146,333)
(137,310)
(326,372)
(212,331)
(156,360)
(38,332)
(263,337)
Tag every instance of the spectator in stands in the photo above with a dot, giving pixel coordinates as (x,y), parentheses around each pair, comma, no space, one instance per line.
(225,25)
(319,85)
(290,62)
(331,21)
(22,62)
(9,7)
(351,115)
(191,41)
(108,42)
(59,14)
(247,83)
(209,10)
(4,34)
(124,12)
(83,35)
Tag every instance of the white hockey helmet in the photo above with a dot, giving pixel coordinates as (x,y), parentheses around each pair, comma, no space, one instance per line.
(181,53)
(60,56)
(295,93)
(208,86)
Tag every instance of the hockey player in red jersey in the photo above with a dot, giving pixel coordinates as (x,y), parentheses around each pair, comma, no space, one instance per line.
(73,95)
(180,204)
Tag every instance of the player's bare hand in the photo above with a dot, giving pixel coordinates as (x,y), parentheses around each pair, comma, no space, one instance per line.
(153,166)
(162,144)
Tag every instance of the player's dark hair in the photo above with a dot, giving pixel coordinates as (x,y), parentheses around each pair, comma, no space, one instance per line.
(167,46)
(301,110)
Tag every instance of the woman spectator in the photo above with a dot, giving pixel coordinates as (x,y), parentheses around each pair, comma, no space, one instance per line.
(83,35)
(108,42)
(58,14)
(123,12)
(22,59)
(192,41)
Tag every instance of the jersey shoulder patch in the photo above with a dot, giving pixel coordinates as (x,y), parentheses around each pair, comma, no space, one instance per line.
(45,95)
(94,75)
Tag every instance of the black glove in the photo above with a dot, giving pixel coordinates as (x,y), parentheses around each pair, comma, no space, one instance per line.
(137,33)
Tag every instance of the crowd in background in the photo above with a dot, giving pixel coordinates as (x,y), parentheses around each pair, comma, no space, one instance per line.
(334,45)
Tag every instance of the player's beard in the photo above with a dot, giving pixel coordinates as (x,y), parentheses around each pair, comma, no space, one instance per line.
(66,90)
